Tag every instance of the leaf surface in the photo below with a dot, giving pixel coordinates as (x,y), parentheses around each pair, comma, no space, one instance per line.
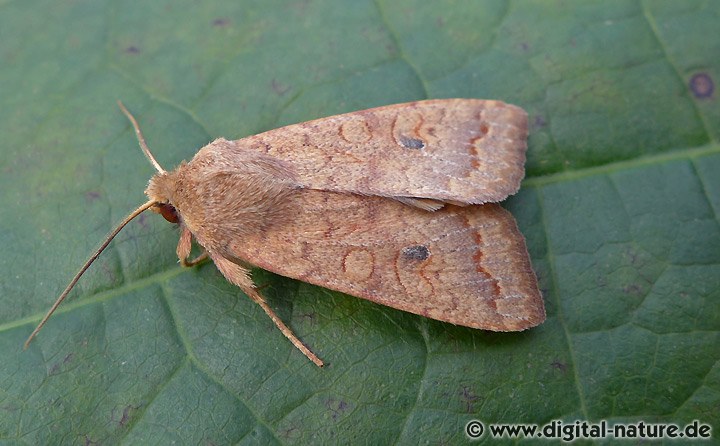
(619,208)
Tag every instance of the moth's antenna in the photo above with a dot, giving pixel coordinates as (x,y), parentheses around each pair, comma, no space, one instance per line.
(87,264)
(141,138)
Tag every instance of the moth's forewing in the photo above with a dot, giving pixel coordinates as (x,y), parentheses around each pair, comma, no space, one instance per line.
(464,265)
(457,150)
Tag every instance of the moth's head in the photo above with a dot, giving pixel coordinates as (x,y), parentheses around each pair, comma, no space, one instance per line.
(162,189)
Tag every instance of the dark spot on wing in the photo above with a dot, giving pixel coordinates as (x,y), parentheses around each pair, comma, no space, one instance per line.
(132,49)
(412,143)
(418,252)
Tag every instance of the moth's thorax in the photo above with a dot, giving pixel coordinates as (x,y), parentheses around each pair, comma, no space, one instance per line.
(226,191)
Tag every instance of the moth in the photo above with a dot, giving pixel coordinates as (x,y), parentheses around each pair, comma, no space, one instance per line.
(394,204)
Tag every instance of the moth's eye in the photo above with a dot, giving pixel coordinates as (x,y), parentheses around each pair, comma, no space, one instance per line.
(168,212)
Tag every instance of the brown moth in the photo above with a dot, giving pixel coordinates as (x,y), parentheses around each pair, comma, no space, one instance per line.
(392,204)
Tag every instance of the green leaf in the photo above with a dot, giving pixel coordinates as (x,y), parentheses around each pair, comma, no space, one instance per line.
(620,210)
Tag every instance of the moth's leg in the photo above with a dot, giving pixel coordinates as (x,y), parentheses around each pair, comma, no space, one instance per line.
(239,276)
(195,261)
(184,246)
